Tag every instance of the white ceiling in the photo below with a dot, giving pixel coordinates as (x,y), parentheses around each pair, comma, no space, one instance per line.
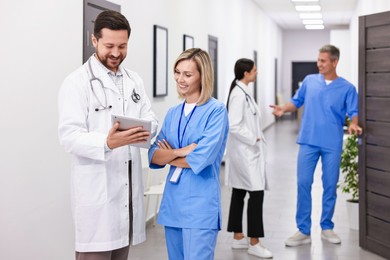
(336,13)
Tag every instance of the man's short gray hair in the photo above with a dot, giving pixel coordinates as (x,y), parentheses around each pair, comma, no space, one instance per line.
(332,50)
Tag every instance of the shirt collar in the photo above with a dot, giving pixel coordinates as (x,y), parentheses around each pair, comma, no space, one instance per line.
(242,84)
(104,68)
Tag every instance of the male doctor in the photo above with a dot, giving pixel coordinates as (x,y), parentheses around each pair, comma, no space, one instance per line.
(106,181)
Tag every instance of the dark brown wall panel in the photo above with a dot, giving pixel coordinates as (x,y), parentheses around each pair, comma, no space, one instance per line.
(375,61)
(378,133)
(374,116)
(378,109)
(378,19)
(378,37)
(378,157)
(377,181)
(378,248)
(378,206)
(378,230)
(378,84)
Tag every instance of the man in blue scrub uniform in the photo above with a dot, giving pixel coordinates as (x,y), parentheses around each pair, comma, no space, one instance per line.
(328,98)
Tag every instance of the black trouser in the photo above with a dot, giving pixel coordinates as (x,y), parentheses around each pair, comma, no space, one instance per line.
(254,212)
(130,202)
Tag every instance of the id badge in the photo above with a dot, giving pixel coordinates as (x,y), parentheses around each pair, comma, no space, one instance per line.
(176,175)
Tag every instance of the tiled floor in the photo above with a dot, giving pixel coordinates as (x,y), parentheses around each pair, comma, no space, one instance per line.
(279,213)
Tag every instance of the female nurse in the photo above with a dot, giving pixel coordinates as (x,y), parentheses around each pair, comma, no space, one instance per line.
(192,141)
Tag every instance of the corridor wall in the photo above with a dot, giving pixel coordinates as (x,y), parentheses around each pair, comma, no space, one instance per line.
(41,43)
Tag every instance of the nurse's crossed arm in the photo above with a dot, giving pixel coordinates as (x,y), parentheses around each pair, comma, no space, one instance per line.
(166,154)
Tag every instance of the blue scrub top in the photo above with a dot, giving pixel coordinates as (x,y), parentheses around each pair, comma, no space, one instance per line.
(195,200)
(326,107)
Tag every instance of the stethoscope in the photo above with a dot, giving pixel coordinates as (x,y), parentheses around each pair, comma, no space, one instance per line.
(249,100)
(103,106)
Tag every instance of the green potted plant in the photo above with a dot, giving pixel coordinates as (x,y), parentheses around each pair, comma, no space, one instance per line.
(350,178)
(349,168)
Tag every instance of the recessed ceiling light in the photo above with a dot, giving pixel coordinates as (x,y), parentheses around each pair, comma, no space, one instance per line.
(312,22)
(310,15)
(305,0)
(307,8)
(314,27)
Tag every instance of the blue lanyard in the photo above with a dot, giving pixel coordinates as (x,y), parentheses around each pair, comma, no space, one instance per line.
(185,127)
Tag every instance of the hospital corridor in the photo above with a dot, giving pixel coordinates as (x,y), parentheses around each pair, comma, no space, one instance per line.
(279,212)
(75,185)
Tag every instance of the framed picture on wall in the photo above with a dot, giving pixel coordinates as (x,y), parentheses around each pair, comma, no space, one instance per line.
(188,42)
(160,61)
(255,83)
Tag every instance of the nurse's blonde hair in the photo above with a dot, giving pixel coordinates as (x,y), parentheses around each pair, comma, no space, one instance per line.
(205,68)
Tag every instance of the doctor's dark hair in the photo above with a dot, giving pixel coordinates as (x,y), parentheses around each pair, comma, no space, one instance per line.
(205,68)
(111,20)
(242,65)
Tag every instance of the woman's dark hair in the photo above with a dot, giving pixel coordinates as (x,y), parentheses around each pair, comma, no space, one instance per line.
(111,20)
(242,65)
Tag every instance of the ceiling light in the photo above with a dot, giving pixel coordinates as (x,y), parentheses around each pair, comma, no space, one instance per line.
(310,15)
(314,27)
(305,0)
(307,8)
(312,22)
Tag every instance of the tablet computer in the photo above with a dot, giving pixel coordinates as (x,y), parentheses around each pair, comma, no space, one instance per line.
(130,122)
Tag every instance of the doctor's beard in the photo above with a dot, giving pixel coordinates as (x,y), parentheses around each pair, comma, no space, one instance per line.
(110,62)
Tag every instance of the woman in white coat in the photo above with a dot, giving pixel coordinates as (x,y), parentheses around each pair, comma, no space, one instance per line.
(106,172)
(245,161)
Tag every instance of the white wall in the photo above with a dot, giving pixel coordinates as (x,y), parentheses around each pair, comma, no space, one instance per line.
(299,46)
(341,39)
(364,7)
(240,26)
(41,43)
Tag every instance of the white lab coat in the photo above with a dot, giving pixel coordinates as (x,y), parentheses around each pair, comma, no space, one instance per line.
(245,158)
(99,178)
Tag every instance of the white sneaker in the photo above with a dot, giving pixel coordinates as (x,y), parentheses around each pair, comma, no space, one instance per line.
(330,236)
(260,251)
(298,239)
(240,243)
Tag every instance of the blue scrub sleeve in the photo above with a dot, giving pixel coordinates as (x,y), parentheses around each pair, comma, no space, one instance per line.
(154,146)
(299,98)
(213,138)
(352,103)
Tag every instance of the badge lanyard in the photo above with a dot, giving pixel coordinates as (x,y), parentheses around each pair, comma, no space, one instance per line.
(185,127)
(176,174)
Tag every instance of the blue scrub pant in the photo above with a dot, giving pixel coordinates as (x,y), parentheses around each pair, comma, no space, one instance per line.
(308,157)
(190,243)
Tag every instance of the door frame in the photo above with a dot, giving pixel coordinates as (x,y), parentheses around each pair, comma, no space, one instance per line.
(100,5)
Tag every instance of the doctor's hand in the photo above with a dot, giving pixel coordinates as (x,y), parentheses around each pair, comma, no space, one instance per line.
(355,129)
(117,138)
(278,111)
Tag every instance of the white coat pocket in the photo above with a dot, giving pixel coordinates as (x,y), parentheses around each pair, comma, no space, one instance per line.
(90,184)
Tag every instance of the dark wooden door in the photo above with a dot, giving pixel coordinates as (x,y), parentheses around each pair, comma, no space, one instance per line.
(255,83)
(213,52)
(374,149)
(299,71)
